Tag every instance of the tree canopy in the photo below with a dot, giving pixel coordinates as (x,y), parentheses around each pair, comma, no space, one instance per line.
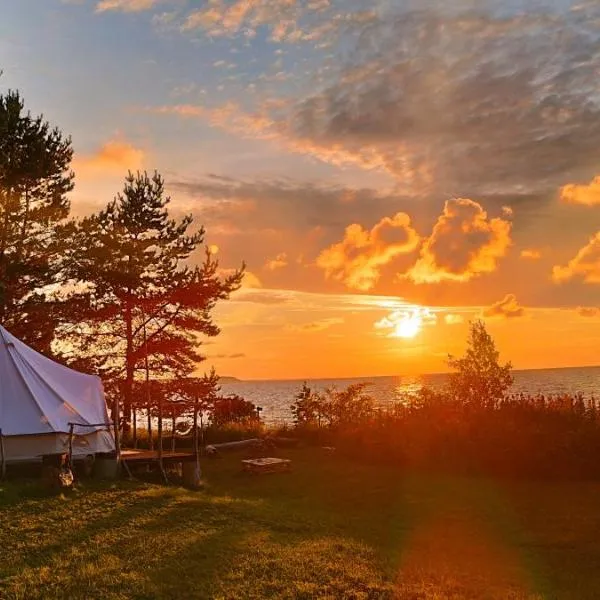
(35,178)
(146,303)
(479,380)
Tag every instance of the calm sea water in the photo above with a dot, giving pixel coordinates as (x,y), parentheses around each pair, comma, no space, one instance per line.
(275,397)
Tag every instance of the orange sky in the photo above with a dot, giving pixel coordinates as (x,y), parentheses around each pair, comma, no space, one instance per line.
(357,177)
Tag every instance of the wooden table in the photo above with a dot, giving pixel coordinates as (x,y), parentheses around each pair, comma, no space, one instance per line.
(259,466)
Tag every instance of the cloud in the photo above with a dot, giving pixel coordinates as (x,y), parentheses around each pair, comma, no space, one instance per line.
(316,326)
(228,356)
(452,319)
(396,319)
(113,157)
(588,195)
(531,254)
(588,311)
(358,259)
(464,243)
(279,203)
(508,308)
(463,102)
(288,21)
(474,101)
(126,5)
(585,266)
(269,297)
(279,262)
(251,281)
(259,220)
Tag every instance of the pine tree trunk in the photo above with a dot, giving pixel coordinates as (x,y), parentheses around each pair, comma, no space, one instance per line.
(129,366)
(3,245)
(173,432)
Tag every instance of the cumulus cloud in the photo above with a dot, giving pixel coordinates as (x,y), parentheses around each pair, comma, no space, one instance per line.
(508,308)
(585,266)
(358,259)
(113,157)
(588,195)
(126,5)
(260,220)
(279,262)
(464,243)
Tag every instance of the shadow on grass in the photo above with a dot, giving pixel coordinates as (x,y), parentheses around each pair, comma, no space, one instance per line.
(331,528)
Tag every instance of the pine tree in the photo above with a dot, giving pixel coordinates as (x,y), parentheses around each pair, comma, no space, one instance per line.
(146,305)
(34,181)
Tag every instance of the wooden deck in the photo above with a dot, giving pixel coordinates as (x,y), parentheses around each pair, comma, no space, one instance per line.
(146,457)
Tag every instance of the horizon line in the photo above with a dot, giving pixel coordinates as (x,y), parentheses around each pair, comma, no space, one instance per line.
(296,379)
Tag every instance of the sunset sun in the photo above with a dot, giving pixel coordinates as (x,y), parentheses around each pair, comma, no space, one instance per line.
(408,327)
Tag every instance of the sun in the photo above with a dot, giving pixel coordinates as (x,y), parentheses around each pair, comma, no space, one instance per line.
(409,326)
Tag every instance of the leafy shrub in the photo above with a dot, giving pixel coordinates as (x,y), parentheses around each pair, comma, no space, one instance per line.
(479,380)
(232,409)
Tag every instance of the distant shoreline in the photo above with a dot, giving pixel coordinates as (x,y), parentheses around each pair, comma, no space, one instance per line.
(231,379)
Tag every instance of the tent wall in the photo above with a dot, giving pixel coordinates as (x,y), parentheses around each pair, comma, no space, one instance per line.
(31,448)
(39,399)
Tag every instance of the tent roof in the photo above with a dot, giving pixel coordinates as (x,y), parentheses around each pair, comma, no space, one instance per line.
(38,395)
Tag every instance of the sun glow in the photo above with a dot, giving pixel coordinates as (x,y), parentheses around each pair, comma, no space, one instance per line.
(409,326)
(406,323)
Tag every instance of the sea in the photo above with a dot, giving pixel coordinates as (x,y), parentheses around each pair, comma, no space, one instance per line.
(276,397)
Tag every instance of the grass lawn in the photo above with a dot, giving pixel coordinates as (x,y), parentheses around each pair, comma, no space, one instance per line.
(330,529)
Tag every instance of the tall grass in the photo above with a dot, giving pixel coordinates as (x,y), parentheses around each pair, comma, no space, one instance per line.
(521,435)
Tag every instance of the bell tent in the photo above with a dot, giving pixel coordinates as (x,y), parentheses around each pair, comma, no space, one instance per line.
(39,398)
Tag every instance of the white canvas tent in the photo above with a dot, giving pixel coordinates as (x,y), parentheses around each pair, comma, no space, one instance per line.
(38,400)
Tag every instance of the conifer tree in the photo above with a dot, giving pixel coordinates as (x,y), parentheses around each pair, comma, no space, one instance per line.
(34,181)
(147,305)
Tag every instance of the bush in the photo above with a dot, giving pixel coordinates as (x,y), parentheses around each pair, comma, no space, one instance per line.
(232,409)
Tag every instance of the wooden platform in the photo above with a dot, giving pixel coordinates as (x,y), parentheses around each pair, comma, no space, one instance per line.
(258,466)
(146,457)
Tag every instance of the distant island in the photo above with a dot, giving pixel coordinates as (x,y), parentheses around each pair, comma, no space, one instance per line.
(229,379)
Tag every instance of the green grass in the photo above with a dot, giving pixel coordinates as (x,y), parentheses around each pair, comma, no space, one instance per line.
(330,529)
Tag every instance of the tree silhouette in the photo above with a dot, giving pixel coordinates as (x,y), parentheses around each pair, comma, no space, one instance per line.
(34,181)
(480,381)
(146,305)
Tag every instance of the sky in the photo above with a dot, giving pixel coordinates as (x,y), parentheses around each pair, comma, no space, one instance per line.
(389,170)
